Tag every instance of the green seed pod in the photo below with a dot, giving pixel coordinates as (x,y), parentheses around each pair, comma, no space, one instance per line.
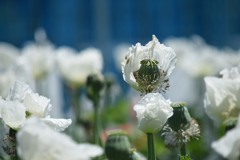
(117,146)
(181,116)
(149,71)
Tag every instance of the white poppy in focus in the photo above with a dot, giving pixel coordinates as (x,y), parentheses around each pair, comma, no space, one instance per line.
(147,68)
(36,141)
(22,103)
(222,99)
(153,110)
(75,68)
(229,145)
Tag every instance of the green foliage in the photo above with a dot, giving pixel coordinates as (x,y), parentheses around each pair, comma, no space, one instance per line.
(187,157)
(117,113)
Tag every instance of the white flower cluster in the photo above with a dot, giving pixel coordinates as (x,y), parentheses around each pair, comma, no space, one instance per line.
(21,103)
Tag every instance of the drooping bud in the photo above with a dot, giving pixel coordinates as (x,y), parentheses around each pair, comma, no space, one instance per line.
(117,146)
(181,116)
(95,86)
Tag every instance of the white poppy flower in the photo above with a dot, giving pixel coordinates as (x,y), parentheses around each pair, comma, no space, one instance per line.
(223,94)
(229,145)
(153,110)
(75,68)
(36,141)
(12,113)
(147,68)
(22,103)
(39,58)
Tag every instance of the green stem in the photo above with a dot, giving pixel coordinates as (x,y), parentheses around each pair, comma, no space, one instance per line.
(97,122)
(183,150)
(76,104)
(151,151)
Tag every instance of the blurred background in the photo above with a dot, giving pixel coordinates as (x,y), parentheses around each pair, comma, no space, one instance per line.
(198,30)
(105,23)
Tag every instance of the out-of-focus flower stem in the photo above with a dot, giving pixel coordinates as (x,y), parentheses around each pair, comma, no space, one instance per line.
(151,151)
(76,104)
(97,124)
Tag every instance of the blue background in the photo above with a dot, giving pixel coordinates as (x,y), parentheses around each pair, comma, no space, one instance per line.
(106,23)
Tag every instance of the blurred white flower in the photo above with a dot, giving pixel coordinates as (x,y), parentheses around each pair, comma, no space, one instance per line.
(229,145)
(22,103)
(36,141)
(147,68)
(40,59)
(11,68)
(8,55)
(119,54)
(75,67)
(153,110)
(223,94)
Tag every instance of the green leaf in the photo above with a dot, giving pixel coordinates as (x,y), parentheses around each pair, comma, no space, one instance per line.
(187,157)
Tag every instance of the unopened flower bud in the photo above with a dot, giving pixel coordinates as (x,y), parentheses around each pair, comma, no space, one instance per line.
(95,86)
(117,146)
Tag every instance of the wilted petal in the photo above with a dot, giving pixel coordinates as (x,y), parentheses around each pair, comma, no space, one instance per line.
(57,124)
(13,113)
(153,110)
(37,105)
(18,91)
(36,141)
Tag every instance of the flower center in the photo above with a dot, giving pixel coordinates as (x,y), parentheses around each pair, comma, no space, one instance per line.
(148,75)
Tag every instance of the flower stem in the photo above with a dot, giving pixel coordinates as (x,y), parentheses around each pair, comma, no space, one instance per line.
(151,151)
(76,104)
(183,150)
(97,122)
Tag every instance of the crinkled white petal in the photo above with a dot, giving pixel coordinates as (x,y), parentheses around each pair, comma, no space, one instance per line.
(222,97)
(57,124)
(36,141)
(37,105)
(13,113)
(166,57)
(18,91)
(153,110)
(233,73)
